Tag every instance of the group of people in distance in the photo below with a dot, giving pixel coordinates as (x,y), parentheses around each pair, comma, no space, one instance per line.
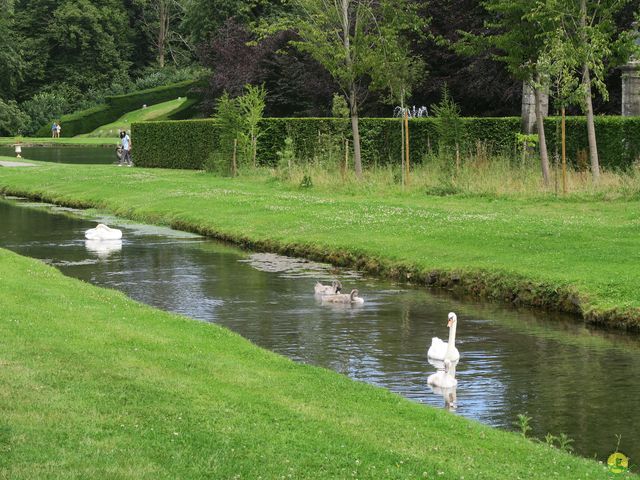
(55,130)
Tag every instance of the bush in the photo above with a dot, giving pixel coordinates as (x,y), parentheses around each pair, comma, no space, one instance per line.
(13,121)
(42,109)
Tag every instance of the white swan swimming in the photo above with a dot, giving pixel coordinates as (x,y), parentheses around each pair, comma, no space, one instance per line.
(102,232)
(444,378)
(344,298)
(440,350)
(332,289)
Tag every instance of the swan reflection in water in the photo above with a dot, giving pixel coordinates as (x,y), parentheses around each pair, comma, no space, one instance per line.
(444,382)
(103,248)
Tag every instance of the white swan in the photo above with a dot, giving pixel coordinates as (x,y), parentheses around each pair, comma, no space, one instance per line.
(443,379)
(440,350)
(344,298)
(332,289)
(102,232)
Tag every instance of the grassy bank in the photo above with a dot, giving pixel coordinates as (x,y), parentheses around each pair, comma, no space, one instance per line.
(95,385)
(576,254)
(142,114)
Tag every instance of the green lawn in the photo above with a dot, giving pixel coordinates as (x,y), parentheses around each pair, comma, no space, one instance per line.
(546,251)
(140,115)
(95,385)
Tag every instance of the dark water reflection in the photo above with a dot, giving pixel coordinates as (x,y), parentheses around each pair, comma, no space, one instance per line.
(66,154)
(568,378)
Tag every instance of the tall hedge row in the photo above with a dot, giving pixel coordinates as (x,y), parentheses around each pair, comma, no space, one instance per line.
(114,107)
(618,139)
(187,144)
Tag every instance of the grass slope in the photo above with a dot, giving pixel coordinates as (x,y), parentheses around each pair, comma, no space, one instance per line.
(546,251)
(95,385)
(140,115)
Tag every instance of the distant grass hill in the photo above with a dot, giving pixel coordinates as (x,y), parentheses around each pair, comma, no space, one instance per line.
(152,112)
(87,121)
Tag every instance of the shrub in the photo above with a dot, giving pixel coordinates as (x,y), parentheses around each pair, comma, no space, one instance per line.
(13,121)
(42,109)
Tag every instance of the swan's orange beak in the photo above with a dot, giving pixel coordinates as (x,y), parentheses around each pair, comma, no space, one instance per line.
(449,323)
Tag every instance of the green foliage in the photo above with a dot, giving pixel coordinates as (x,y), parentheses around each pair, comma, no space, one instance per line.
(618,139)
(231,124)
(13,121)
(286,158)
(449,125)
(42,109)
(523,423)
(88,120)
(309,137)
(339,107)
(251,106)
(175,144)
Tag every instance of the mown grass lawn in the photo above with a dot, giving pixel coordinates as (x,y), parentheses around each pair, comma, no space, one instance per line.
(577,244)
(95,385)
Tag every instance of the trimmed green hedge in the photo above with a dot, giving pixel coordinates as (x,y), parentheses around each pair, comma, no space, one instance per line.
(174,144)
(86,121)
(187,144)
(380,138)
(618,139)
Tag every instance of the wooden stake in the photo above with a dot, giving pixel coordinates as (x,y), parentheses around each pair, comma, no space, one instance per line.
(564,155)
(406,149)
(234,169)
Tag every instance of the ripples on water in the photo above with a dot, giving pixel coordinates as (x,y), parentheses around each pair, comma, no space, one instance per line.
(568,378)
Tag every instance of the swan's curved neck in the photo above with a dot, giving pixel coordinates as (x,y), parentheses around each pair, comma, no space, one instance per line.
(452,339)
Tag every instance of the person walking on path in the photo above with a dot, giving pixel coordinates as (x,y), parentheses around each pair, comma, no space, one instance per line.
(125,141)
(54,130)
(58,129)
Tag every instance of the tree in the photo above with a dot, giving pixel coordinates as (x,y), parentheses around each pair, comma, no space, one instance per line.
(585,31)
(516,37)
(357,41)
(12,64)
(297,84)
(162,20)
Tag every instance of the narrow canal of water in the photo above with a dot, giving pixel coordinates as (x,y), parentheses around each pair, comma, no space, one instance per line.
(568,378)
(66,154)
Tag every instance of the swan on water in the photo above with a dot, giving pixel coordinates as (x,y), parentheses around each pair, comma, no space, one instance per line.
(443,378)
(440,350)
(344,297)
(102,232)
(332,289)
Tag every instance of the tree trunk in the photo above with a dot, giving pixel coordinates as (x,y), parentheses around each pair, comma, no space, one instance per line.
(544,157)
(591,128)
(586,81)
(357,160)
(163,30)
(353,98)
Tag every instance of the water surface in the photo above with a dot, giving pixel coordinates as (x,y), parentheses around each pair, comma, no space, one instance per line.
(66,154)
(568,378)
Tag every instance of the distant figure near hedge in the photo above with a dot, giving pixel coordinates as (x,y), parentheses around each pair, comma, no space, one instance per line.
(125,142)
(54,130)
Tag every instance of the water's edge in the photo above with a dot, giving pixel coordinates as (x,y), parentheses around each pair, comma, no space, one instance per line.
(497,287)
